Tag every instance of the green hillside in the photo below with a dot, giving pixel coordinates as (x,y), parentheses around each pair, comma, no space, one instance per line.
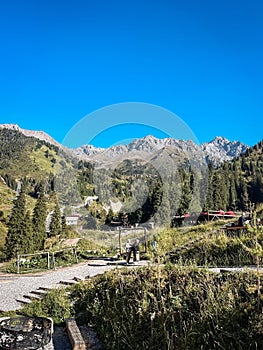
(28,159)
(237,184)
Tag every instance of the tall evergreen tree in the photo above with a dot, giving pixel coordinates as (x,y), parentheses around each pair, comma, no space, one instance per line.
(232,205)
(16,235)
(55,227)
(28,237)
(209,203)
(39,221)
(109,217)
(186,192)
(163,214)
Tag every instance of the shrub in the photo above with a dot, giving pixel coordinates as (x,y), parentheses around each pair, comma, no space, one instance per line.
(55,304)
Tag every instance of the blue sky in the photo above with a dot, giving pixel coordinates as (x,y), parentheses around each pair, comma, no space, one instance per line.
(202,60)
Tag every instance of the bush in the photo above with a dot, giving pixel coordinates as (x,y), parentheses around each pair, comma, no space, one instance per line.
(55,304)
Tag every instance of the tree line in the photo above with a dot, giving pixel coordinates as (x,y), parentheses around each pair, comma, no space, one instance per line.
(237,184)
(27,233)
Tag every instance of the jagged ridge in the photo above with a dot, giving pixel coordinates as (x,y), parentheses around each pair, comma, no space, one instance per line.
(216,151)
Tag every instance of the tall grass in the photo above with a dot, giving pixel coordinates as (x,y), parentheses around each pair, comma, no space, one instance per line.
(172,308)
(207,245)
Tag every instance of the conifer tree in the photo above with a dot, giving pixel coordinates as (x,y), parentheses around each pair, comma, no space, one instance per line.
(109,217)
(163,214)
(186,195)
(232,205)
(55,227)
(208,205)
(16,235)
(63,225)
(28,243)
(39,221)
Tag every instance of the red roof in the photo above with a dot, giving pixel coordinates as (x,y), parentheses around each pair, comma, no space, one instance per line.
(231,213)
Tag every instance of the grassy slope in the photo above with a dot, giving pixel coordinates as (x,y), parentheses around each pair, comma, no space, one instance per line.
(208,245)
(7,195)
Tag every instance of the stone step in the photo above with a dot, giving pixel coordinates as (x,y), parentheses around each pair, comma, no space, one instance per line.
(24,301)
(79,279)
(97,264)
(68,282)
(39,292)
(46,288)
(32,296)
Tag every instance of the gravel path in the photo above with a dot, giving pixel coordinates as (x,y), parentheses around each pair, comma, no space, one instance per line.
(13,287)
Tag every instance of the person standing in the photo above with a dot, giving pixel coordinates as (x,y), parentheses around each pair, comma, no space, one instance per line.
(241,220)
(134,247)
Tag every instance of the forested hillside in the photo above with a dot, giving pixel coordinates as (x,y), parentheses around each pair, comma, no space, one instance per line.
(145,190)
(237,184)
(26,159)
(27,183)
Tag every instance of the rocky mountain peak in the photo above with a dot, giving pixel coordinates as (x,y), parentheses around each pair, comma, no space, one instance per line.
(41,135)
(221,149)
(216,151)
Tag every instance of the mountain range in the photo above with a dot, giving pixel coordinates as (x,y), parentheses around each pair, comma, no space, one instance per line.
(149,177)
(216,151)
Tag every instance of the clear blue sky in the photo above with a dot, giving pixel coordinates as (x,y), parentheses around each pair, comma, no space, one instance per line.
(200,59)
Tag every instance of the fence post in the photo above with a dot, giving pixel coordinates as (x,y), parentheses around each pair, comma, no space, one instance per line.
(18,261)
(75,253)
(145,239)
(48,261)
(120,248)
(53,258)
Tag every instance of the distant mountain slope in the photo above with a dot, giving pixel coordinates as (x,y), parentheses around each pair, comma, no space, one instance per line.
(41,135)
(220,149)
(238,184)
(123,173)
(217,151)
(30,159)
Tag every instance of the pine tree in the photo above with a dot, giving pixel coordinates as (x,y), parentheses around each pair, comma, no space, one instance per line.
(63,225)
(232,205)
(28,243)
(109,217)
(39,222)
(163,215)
(55,227)
(209,204)
(187,186)
(16,235)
